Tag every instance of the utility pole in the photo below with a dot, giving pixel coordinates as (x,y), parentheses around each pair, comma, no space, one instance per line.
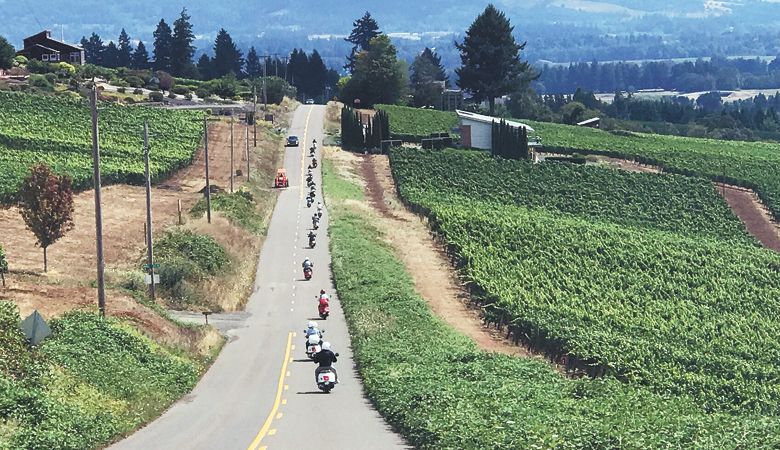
(231,154)
(265,92)
(149,247)
(101,263)
(247,152)
(254,116)
(208,185)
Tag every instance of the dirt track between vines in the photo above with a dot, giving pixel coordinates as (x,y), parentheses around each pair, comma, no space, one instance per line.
(434,278)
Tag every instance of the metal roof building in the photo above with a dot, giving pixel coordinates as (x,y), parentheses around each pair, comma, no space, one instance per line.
(476,130)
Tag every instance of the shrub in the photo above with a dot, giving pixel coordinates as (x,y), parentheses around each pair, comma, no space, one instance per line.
(138,91)
(156,96)
(203,251)
(122,90)
(134,81)
(171,95)
(239,208)
(181,90)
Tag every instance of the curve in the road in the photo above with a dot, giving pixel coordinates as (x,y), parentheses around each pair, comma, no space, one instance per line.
(260,392)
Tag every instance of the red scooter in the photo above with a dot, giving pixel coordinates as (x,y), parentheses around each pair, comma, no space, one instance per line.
(324,308)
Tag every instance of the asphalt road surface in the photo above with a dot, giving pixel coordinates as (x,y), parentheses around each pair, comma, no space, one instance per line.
(260,393)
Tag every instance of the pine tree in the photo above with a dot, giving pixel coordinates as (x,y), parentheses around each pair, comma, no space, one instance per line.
(254,68)
(140,58)
(204,67)
(317,73)
(227,57)
(181,46)
(427,78)
(163,47)
(364,30)
(125,50)
(111,55)
(490,57)
(93,49)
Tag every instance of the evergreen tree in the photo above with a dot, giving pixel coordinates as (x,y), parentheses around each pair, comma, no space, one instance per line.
(227,57)
(427,78)
(163,47)
(93,49)
(254,68)
(125,50)
(7,54)
(181,46)
(317,73)
(204,67)
(363,31)
(140,58)
(111,56)
(297,68)
(490,57)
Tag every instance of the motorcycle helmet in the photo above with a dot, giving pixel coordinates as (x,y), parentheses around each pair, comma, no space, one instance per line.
(314,339)
(326,345)
(311,324)
(322,291)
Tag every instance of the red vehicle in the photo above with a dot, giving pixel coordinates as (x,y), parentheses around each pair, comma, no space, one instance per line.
(281,180)
(324,308)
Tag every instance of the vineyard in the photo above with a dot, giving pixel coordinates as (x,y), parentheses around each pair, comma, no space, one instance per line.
(418,123)
(57,131)
(750,164)
(670,306)
(434,386)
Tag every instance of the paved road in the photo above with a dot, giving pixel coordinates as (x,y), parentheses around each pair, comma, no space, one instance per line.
(260,392)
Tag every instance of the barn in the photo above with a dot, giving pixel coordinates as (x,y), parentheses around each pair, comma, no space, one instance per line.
(476,130)
(42,47)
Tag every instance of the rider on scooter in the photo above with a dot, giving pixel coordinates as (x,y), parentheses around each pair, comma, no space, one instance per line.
(325,358)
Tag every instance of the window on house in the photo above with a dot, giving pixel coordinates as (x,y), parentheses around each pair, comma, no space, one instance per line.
(44,57)
(74,57)
(54,57)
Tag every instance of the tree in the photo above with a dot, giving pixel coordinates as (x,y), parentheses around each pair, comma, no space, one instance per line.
(379,77)
(163,47)
(47,206)
(165,79)
(93,49)
(490,59)
(227,57)
(204,67)
(111,55)
(182,50)
(317,73)
(125,54)
(140,58)
(3,265)
(254,68)
(363,31)
(427,78)
(7,54)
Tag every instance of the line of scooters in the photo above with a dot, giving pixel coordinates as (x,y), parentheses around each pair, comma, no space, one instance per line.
(317,349)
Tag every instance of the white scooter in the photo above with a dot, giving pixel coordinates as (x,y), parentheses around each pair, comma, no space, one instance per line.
(313,345)
(326,379)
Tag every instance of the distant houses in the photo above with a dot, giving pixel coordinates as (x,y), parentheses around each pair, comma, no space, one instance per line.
(476,130)
(42,47)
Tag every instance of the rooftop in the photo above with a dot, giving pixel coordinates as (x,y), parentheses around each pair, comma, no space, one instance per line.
(489,119)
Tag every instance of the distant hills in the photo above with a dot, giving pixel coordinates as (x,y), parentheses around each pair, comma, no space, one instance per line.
(278,25)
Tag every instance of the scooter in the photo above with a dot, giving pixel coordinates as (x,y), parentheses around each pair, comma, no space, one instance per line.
(307,273)
(309,202)
(315,222)
(324,308)
(327,379)
(314,162)
(313,345)
(312,241)
(319,214)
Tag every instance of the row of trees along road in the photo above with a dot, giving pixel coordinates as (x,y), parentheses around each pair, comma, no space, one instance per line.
(490,65)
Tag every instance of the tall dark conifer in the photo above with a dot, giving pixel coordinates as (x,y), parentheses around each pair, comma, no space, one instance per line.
(163,46)
(125,50)
(140,58)
(490,57)
(182,50)
(364,29)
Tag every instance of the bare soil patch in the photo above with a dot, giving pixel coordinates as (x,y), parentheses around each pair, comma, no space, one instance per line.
(752,212)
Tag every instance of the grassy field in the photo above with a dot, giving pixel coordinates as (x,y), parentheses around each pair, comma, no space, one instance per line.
(441,392)
(419,123)
(57,131)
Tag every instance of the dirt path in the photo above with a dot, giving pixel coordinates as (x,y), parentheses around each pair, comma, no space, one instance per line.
(431,271)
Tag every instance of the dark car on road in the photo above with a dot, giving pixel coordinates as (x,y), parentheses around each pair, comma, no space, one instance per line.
(292,141)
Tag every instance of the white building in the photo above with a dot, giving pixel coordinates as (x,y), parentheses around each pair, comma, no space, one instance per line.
(476,130)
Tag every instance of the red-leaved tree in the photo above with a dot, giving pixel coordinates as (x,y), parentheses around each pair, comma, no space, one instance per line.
(47,206)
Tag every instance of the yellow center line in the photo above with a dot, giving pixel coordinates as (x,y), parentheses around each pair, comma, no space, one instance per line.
(267,425)
(304,148)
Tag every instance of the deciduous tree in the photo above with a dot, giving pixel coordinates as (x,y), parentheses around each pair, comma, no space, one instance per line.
(47,206)
(490,57)
(379,77)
